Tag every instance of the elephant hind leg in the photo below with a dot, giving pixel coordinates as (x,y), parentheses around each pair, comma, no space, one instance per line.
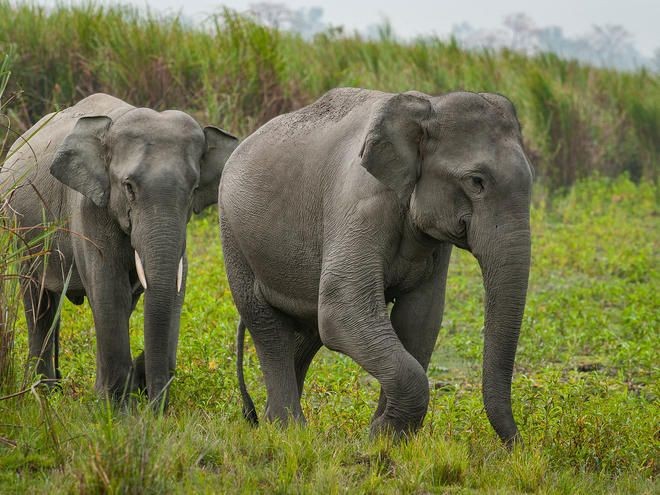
(43,329)
(249,411)
(273,336)
(272,332)
(307,345)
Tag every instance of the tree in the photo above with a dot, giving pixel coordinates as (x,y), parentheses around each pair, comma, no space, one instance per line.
(524,33)
(605,46)
(305,21)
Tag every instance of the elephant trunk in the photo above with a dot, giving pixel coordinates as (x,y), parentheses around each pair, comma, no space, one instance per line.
(160,257)
(504,256)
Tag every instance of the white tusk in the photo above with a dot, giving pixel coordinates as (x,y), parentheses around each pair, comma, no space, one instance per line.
(140,270)
(179,275)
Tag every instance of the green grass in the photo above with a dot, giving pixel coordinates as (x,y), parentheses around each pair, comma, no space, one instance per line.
(585,390)
(233,73)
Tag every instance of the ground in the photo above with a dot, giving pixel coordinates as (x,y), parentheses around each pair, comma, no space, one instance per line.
(585,389)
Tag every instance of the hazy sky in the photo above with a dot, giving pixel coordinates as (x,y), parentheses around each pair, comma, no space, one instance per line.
(410,17)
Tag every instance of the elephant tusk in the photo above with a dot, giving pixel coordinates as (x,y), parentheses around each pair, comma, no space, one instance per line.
(179,275)
(140,270)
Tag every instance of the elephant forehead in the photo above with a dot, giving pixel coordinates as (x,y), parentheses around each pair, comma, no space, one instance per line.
(170,126)
(464,143)
(463,112)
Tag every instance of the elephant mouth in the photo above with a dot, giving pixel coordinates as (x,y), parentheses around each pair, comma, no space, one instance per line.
(460,239)
(461,243)
(435,236)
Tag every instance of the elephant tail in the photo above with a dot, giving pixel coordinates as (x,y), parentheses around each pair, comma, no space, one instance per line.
(249,412)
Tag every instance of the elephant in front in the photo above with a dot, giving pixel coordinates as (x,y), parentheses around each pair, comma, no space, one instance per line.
(121,183)
(334,211)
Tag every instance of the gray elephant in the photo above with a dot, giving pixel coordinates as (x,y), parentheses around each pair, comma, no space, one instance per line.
(123,183)
(330,213)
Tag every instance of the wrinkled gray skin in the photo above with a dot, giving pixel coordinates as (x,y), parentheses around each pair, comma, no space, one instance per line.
(332,212)
(121,180)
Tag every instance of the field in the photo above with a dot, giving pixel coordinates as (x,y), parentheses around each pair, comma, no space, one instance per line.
(586,386)
(585,390)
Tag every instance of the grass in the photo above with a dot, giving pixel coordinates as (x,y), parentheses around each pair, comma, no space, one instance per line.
(233,73)
(585,390)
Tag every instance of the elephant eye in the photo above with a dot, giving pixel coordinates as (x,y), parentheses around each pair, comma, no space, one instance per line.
(128,187)
(477,182)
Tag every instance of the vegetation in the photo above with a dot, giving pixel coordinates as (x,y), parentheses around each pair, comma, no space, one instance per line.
(585,390)
(586,384)
(18,256)
(234,73)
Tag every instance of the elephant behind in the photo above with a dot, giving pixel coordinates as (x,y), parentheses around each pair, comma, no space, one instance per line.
(331,212)
(122,182)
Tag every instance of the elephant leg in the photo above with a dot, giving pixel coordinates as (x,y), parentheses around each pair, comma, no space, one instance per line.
(43,329)
(113,352)
(306,347)
(353,319)
(111,299)
(274,342)
(272,332)
(417,316)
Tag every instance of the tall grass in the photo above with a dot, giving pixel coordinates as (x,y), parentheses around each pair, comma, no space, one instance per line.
(20,253)
(232,72)
(9,305)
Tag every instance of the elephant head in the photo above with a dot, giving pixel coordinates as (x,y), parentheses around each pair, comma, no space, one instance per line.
(456,163)
(149,171)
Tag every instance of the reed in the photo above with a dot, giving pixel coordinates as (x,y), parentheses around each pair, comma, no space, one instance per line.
(227,70)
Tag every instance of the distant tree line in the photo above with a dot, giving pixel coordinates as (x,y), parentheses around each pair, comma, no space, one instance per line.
(609,46)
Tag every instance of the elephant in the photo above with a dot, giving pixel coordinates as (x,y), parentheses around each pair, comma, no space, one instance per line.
(333,212)
(121,184)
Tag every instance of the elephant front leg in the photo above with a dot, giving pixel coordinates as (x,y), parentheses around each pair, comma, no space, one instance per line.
(417,316)
(110,296)
(353,320)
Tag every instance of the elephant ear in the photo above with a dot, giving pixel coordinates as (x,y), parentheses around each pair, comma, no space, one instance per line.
(219,145)
(80,161)
(393,148)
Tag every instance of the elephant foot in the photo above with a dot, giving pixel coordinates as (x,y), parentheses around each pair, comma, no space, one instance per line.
(49,376)
(119,386)
(52,385)
(284,415)
(158,400)
(394,428)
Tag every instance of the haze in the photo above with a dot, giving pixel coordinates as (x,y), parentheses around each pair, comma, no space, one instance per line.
(414,17)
